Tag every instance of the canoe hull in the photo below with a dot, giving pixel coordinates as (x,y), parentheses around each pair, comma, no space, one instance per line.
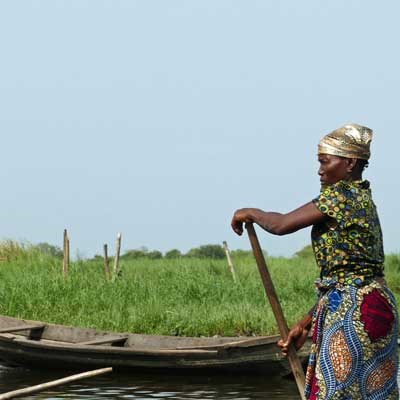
(64,347)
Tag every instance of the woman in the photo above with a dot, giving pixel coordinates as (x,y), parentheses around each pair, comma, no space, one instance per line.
(355,324)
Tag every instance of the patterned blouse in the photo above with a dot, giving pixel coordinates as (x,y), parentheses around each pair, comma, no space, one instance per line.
(348,246)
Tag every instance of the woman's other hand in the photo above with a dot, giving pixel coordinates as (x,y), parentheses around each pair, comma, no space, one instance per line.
(297,335)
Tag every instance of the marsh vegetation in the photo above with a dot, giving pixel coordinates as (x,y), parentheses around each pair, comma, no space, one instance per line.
(182,295)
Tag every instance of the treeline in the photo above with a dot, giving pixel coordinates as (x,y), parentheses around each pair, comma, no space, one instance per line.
(210,251)
(10,249)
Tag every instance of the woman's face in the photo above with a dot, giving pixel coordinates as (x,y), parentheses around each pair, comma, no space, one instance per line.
(332,168)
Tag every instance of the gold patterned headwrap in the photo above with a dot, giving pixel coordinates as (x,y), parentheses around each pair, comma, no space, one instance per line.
(350,141)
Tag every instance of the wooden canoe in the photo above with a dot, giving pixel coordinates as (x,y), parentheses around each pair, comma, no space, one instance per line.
(34,343)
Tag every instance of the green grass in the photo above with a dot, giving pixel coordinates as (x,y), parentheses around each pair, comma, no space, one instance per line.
(187,297)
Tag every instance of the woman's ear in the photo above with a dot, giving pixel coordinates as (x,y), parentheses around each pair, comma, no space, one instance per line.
(351,163)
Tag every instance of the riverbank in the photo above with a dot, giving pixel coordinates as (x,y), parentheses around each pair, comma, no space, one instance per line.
(182,296)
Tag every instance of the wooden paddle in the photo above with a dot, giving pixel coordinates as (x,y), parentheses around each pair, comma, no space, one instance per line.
(44,386)
(294,360)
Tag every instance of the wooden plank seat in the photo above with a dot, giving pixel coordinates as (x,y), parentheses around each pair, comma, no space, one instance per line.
(113,340)
(19,328)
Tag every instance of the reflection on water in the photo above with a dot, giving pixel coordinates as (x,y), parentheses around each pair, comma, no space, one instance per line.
(159,386)
(141,386)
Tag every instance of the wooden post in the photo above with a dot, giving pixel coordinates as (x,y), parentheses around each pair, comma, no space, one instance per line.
(117,252)
(48,385)
(68,254)
(230,263)
(106,263)
(65,254)
(294,360)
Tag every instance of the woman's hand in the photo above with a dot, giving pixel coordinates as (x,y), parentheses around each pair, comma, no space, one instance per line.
(297,335)
(239,218)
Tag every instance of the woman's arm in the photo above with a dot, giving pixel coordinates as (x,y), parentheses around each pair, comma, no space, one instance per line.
(276,223)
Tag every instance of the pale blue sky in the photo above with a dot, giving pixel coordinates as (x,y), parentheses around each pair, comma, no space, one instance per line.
(158,119)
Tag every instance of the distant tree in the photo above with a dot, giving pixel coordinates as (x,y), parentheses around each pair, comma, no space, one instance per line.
(154,255)
(215,251)
(134,254)
(241,253)
(142,252)
(49,249)
(174,253)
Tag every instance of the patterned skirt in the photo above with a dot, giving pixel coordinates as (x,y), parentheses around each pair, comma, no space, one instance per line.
(354,352)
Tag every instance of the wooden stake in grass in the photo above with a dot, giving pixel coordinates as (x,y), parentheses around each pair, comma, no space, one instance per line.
(48,385)
(68,254)
(106,263)
(117,252)
(65,254)
(230,263)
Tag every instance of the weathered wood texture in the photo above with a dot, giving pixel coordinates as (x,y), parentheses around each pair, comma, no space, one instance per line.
(229,259)
(117,254)
(107,271)
(24,327)
(69,347)
(48,385)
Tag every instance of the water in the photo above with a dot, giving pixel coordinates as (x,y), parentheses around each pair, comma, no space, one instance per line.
(152,386)
(142,386)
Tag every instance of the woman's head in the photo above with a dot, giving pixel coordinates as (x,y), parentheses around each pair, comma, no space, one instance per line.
(344,153)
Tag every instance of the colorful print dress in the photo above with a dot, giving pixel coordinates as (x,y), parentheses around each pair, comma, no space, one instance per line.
(355,324)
